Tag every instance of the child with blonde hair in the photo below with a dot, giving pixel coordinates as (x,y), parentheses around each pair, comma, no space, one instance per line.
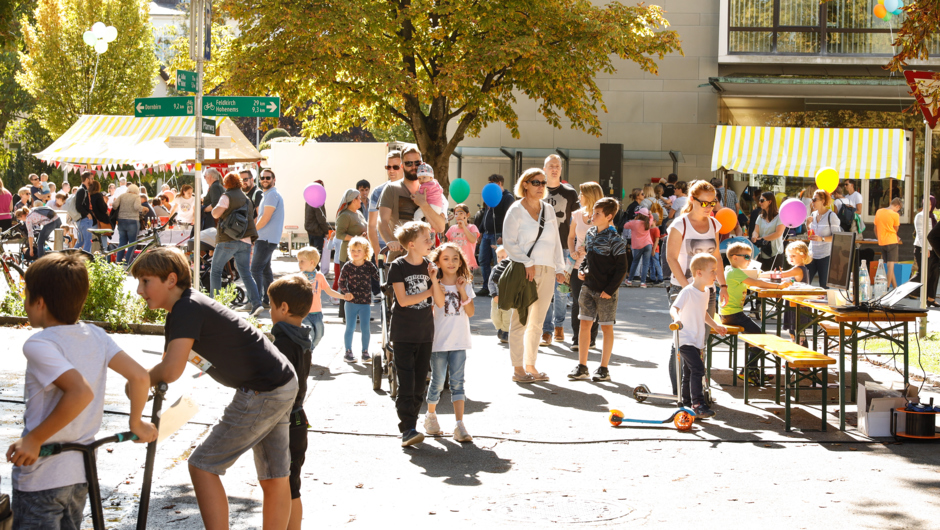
(799,256)
(453,307)
(307,260)
(356,279)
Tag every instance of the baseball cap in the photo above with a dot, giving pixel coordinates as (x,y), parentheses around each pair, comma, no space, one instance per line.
(425,170)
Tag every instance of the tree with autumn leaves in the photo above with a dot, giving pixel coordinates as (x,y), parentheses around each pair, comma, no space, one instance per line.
(444,68)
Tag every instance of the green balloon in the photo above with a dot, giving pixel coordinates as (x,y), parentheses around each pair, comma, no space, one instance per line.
(459,190)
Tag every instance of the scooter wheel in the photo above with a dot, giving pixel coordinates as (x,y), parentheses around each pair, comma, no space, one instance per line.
(615,418)
(683,421)
(639,393)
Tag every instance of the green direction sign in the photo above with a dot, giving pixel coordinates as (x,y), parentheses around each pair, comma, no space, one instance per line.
(208,126)
(185,81)
(243,106)
(260,107)
(178,106)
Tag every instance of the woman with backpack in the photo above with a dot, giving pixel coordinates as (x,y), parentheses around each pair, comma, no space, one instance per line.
(128,220)
(820,227)
(236,233)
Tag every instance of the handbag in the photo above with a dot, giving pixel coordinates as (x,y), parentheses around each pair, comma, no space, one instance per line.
(113,216)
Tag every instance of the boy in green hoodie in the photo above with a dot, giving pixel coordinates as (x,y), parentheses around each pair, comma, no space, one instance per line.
(291,297)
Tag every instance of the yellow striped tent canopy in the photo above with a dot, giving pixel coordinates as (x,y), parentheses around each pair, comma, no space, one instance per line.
(112,141)
(801,152)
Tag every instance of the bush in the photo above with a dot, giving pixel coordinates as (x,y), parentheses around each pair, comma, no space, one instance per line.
(264,145)
(274,133)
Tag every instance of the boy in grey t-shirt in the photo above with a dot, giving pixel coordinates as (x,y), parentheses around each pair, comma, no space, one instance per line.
(66,373)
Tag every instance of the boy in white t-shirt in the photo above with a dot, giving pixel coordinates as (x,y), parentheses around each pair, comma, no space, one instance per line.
(66,372)
(691,310)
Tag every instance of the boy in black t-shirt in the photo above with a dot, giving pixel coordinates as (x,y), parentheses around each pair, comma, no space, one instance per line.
(234,353)
(291,298)
(411,329)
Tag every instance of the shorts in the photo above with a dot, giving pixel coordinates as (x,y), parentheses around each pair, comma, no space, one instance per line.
(298,450)
(593,307)
(253,420)
(59,508)
(890,252)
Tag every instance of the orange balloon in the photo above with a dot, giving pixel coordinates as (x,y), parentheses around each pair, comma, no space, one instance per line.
(728,220)
(880,11)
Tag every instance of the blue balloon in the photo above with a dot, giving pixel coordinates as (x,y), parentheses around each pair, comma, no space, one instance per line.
(892,5)
(492,194)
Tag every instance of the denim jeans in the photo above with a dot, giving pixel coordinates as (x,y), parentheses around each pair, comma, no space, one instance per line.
(486,256)
(59,508)
(315,321)
(641,262)
(44,234)
(241,251)
(555,316)
(820,266)
(364,312)
(84,236)
(655,269)
(127,233)
(451,362)
(261,271)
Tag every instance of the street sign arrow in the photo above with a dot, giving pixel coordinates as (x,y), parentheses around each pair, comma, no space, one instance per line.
(272,106)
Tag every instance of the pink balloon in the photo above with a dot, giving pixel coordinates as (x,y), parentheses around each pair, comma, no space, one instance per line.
(315,195)
(792,213)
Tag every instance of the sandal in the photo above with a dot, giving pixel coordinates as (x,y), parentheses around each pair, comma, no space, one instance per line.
(541,376)
(527,378)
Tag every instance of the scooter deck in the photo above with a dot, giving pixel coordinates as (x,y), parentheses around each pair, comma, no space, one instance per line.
(682,417)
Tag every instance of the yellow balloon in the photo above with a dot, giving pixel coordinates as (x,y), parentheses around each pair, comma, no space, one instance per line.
(780,198)
(827,179)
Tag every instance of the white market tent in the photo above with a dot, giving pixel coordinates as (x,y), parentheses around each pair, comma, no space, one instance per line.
(801,152)
(113,141)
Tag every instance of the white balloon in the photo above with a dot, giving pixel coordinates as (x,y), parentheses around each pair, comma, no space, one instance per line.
(89,38)
(110,33)
(98,28)
(101,47)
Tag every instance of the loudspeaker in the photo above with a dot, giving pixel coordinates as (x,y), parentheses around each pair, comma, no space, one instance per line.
(611,170)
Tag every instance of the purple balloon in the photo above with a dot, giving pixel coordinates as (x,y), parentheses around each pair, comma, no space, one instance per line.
(315,195)
(792,213)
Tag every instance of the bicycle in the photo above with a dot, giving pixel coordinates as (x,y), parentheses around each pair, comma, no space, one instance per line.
(152,240)
(12,263)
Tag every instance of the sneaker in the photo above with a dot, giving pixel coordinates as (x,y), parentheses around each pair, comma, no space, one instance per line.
(702,412)
(461,434)
(334,301)
(601,374)
(266,305)
(349,357)
(411,437)
(643,286)
(366,358)
(257,311)
(482,292)
(546,339)
(580,373)
(431,426)
(559,334)
(504,336)
(246,307)
(753,378)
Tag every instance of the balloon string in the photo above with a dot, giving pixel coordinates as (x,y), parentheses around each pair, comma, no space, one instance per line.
(94,77)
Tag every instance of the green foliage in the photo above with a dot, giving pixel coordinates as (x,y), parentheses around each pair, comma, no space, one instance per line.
(12,305)
(274,133)
(175,56)
(264,145)
(445,69)
(58,67)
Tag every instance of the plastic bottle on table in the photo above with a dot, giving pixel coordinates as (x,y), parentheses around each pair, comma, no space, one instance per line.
(864,281)
(881,280)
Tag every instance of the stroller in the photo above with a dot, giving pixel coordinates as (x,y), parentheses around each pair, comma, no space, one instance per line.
(384,365)
(229,273)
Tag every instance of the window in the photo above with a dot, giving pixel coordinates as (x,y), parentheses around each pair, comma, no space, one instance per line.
(808,27)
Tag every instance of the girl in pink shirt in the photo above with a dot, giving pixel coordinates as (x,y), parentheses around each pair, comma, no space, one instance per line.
(464,234)
(642,244)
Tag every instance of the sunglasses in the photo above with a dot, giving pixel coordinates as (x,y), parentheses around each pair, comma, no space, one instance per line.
(762,200)
(747,257)
(707,204)
(265,178)
(413,164)
(395,167)
(538,183)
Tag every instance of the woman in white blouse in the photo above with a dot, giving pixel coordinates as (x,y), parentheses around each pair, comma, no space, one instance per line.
(543,264)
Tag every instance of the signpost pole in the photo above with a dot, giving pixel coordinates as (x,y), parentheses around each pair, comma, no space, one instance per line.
(928,150)
(195,46)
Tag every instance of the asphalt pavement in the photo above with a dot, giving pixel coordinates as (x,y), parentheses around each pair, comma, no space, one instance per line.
(543,453)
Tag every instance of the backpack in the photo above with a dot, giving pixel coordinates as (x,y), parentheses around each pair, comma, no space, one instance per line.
(846,216)
(72,209)
(235,224)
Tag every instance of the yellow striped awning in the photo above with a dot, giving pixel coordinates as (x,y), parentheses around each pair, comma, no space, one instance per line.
(111,141)
(801,152)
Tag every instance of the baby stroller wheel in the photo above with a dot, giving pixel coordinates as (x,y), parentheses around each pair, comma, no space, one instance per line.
(377,372)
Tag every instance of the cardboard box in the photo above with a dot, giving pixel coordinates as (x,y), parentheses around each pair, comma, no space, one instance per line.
(875,403)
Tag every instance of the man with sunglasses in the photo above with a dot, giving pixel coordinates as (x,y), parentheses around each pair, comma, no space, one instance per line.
(35,191)
(270,227)
(564,199)
(393,169)
(400,200)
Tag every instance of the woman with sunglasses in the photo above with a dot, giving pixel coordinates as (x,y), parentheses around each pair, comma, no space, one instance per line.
(693,232)
(821,224)
(769,231)
(540,252)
